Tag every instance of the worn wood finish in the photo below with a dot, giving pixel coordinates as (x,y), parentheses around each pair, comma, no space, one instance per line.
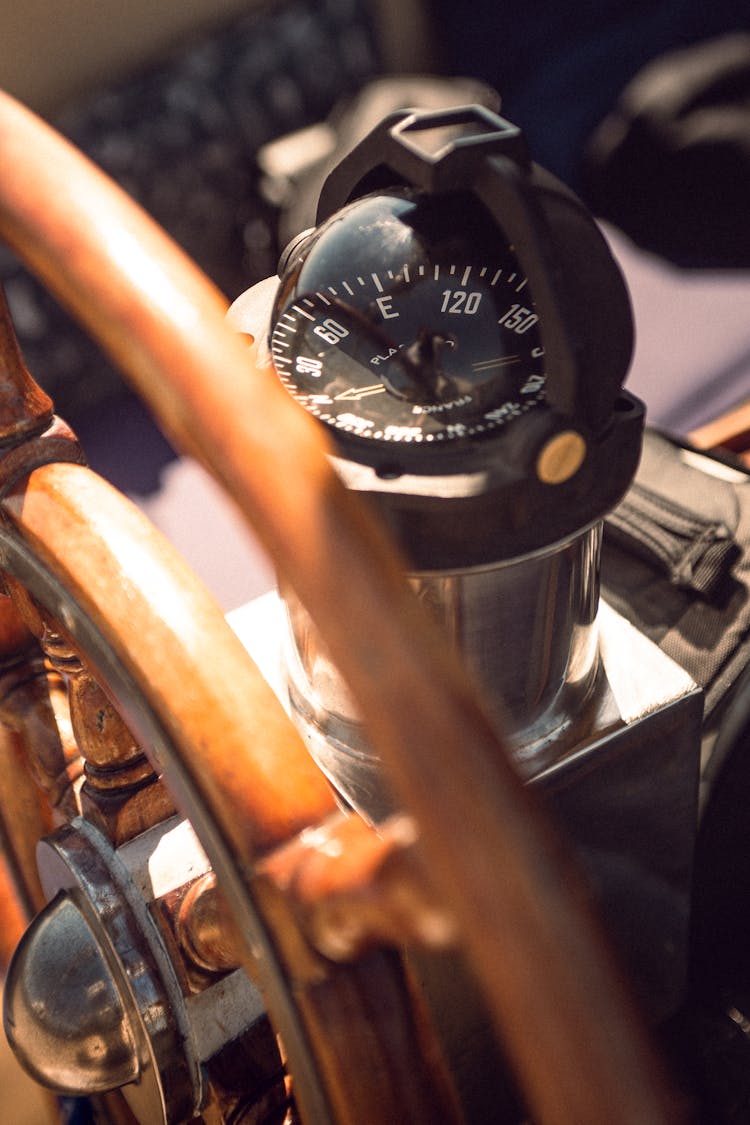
(241,759)
(122,793)
(565,1017)
(126,577)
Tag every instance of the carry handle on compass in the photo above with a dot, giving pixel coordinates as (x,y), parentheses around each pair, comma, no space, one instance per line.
(582,302)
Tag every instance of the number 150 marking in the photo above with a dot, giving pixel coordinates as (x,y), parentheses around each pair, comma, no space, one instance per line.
(519,319)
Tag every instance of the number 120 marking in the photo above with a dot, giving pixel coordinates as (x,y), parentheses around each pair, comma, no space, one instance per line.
(459,301)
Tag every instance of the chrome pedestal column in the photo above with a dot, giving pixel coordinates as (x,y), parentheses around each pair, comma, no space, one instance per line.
(526,627)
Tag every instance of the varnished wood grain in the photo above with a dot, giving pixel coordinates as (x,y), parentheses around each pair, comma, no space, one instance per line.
(243,760)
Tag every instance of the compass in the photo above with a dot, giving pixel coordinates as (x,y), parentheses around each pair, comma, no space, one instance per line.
(436,346)
(458,325)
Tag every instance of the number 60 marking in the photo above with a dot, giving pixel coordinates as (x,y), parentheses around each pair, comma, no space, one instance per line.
(331,331)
